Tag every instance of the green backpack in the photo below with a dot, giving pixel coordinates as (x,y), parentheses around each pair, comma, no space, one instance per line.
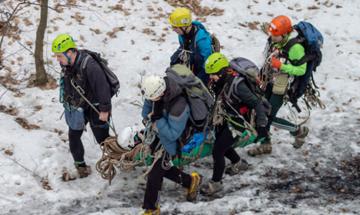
(197,95)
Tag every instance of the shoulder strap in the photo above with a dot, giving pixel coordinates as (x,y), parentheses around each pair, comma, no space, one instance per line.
(232,88)
(285,51)
(84,63)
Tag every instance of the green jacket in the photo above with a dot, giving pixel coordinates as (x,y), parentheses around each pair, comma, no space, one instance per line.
(296,52)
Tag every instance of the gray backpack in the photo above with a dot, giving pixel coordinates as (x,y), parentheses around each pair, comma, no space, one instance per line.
(197,95)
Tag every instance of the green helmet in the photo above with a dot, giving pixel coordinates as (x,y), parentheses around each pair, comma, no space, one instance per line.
(62,43)
(215,63)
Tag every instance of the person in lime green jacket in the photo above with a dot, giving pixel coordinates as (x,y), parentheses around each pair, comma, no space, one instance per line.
(281,32)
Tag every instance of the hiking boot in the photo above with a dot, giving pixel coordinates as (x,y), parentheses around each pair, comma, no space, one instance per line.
(83,171)
(264,148)
(194,187)
(300,137)
(211,188)
(152,211)
(236,168)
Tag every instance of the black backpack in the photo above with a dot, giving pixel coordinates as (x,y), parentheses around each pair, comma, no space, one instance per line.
(312,40)
(110,75)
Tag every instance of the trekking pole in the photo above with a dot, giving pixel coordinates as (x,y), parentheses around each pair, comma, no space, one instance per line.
(81,93)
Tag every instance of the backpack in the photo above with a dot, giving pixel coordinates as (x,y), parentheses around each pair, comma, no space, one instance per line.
(249,71)
(215,43)
(312,40)
(110,75)
(197,95)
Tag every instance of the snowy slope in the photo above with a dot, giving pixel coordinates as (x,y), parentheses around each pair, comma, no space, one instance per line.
(310,180)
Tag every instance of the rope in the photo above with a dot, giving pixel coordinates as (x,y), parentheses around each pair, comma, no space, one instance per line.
(112,153)
(185,57)
(127,161)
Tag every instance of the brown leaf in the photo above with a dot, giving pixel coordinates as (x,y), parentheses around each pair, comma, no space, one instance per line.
(253,25)
(25,124)
(27,22)
(45,183)
(8,152)
(66,176)
(29,43)
(20,193)
(313,8)
(96,31)
(9,110)
(78,17)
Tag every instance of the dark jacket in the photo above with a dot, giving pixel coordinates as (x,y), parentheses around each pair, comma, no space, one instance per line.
(92,80)
(237,95)
(175,114)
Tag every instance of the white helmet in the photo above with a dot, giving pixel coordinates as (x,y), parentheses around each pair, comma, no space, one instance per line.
(126,137)
(153,86)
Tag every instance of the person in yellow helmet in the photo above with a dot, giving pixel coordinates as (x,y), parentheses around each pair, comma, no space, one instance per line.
(236,98)
(82,74)
(195,42)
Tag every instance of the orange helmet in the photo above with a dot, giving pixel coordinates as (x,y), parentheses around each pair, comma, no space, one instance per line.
(280,25)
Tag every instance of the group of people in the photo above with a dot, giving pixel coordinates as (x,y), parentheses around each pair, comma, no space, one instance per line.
(86,97)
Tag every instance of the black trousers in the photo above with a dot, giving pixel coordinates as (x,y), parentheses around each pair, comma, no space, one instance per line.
(155,179)
(276,102)
(223,148)
(99,128)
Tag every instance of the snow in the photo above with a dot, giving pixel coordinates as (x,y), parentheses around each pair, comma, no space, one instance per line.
(43,153)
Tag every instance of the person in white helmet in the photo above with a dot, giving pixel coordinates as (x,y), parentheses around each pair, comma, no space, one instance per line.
(167,109)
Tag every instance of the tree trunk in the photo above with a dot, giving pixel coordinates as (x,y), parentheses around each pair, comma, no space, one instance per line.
(41,77)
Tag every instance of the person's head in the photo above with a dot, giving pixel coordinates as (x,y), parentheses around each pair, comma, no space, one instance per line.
(180,20)
(153,87)
(64,49)
(280,28)
(216,65)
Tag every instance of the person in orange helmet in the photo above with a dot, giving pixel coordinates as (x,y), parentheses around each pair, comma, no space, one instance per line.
(284,53)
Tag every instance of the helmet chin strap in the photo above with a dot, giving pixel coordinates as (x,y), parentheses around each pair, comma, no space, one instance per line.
(184,30)
(68,58)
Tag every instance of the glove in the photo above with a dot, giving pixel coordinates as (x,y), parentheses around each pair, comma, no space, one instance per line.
(158,111)
(145,121)
(275,63)
(175,59)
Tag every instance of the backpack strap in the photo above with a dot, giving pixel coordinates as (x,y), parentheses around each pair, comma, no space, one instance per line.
(84,63)
(306,58)
(232,88)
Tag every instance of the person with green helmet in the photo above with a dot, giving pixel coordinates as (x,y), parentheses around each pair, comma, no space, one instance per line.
(195,42)
(236,98)
(82,77)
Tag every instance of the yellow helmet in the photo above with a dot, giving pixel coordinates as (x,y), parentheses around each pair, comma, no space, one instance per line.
(215,62)
(180,17)
(62,43)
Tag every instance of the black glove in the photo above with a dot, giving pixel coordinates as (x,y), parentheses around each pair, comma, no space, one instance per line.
(175,58)
(157,111)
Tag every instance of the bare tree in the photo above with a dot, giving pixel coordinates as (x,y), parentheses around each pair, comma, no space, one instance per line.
(6,19)
(41,77)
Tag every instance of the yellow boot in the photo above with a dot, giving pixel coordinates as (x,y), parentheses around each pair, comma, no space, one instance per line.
(194,187)
(152,211)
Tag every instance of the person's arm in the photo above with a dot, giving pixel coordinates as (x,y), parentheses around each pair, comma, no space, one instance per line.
(204,50)
(147,108)
(296,52)
(253,102)
(173,126)
(99,85)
